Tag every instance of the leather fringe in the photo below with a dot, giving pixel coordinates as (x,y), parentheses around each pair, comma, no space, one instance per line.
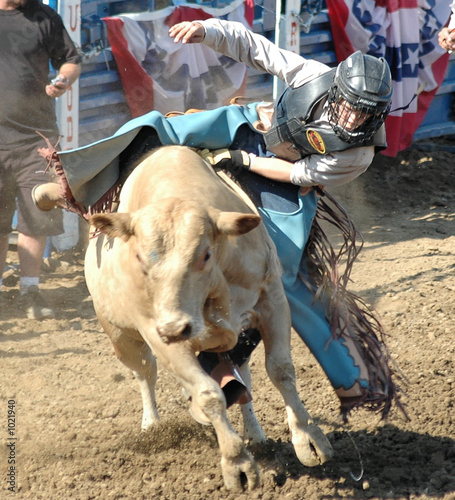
(53,161)
(107,203)
(348,315)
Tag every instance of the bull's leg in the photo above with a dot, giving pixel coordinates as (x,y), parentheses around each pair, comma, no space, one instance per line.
(252,430)
(209,402)
(311,445)
(135,354)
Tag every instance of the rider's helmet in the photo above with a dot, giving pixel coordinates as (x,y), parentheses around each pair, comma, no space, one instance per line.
(363,83)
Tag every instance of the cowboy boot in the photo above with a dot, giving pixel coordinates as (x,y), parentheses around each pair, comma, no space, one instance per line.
(47,196)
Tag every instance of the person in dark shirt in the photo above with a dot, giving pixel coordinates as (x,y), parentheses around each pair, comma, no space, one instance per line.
(32,35)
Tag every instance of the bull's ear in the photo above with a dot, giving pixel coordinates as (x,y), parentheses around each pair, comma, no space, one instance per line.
(235,223)
(113,225)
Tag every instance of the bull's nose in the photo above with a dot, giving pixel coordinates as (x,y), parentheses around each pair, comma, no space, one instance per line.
(175,330)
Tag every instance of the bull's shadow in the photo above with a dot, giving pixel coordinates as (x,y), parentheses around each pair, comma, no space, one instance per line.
(393,462)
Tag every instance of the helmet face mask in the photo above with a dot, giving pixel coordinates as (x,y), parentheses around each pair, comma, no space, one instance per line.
(359,97)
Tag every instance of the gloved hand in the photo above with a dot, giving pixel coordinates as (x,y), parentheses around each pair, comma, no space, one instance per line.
(232,160)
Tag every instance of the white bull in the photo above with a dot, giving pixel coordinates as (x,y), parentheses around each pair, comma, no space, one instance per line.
(183,267)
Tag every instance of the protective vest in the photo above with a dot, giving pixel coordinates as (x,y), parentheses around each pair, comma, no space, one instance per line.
(293,121)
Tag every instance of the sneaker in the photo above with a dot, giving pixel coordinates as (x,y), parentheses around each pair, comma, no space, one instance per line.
(32,303)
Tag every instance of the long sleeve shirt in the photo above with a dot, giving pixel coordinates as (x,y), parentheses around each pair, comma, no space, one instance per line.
(234,40)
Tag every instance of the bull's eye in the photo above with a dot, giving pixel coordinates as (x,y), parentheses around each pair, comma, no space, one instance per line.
(202,260)
(207,255)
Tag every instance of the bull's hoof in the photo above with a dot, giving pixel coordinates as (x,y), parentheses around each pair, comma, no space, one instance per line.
(46,196)
(312,447)
(240,473)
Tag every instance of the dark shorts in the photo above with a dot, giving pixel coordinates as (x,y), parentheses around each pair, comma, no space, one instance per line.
(21,169)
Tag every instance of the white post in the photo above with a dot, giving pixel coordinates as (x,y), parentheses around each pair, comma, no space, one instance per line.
(287,35)
(278,85)
(67,110)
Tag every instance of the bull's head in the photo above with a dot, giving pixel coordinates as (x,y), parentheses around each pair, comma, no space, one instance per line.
(182,249)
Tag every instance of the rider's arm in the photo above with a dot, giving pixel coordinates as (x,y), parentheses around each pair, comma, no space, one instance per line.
(272,168)
(234,40)
(333,169)
(327,170)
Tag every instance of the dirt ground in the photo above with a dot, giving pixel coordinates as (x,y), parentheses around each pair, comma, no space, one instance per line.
(78,410)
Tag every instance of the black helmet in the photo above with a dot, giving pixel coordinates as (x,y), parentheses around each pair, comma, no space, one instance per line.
(363,82)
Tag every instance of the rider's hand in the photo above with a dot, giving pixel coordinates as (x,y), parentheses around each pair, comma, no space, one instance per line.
(232,160)
(187,32)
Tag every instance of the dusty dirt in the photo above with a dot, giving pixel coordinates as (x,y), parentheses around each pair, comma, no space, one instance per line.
(78,410)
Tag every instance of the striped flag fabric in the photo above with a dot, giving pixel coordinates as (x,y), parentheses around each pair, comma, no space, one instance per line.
(405,33)
(158,74)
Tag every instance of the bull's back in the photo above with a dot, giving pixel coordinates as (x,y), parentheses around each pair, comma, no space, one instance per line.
(177,171)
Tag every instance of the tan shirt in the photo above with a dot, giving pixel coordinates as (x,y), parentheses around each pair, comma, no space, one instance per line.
(234,40)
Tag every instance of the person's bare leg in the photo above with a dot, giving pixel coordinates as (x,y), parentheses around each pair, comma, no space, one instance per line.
(30,250)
